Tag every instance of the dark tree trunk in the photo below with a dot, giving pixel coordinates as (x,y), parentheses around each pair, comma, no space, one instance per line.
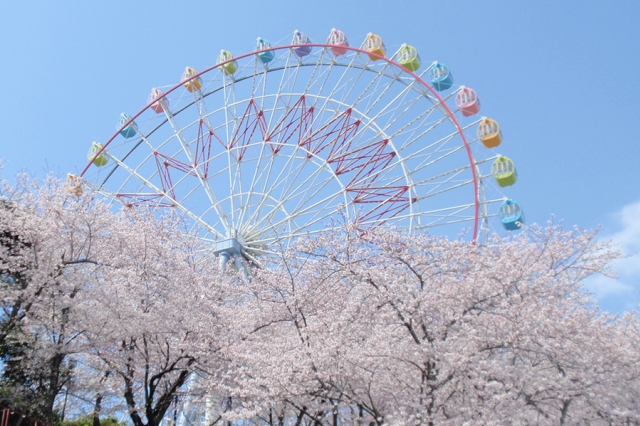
(96,410)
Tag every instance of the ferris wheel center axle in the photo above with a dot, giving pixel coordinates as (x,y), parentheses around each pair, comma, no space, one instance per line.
(227,249)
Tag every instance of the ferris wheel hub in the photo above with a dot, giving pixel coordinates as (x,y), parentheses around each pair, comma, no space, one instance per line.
(228,249)
(230,246)
(242,244)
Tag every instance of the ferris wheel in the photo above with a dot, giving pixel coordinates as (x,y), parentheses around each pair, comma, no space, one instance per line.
(290,140)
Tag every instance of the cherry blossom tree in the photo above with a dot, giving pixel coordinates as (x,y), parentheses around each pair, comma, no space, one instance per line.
(48,246)
(125,310)
(145,318)
(101,298)
(390,328)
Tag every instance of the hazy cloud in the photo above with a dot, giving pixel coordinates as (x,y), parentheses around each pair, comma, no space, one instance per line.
(621,294)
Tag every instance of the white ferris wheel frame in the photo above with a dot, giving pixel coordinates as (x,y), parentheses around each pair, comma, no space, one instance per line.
(163,194)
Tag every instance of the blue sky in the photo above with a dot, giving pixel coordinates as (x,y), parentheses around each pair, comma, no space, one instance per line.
(560,77)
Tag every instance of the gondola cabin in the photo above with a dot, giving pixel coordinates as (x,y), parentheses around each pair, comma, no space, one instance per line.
(129,130)
(338,42)
(73,185)
(504,171)
(408,57)
(511,215)
(261,45)
(192,85)
(467,102)
(229,67)
(157,101)
(300,39)
(489,133)
(440,76)
(101,159)
(373,43)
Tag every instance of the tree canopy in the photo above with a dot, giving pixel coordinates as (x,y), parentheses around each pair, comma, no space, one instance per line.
(124,311)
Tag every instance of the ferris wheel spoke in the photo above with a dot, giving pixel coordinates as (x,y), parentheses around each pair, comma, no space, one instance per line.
(340,84)
(302,229)
(192,165)
(310,209)
(318,83)
(424,116)
(283,80)
(375,81)
(429,161)
(439,217)
(319,62)
(275,238)
(403,104)
(251,123)
(178,134)
(442,175)
(389,109)
(262,80)
(446,212)
(230,121)
(438,147)
(353,83)
(383,95)
(302,192)
(133,173)
(293,72)
(270,185)
(157,192)
(253,184)
(236,188)
(298,211)
(421,117)
(426,154)
(370,122)
(433,193)
(281,179)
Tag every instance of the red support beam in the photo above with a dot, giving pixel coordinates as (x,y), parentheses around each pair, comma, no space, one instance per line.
(388,200)
(251,120)
(296,122)
(337,134)
(203,147)
(365,161)
(164,162)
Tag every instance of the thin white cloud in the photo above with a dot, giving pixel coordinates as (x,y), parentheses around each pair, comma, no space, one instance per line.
(621,294)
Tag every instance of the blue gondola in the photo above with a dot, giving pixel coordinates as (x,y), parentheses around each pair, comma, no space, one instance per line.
(511,215)
(130,130)
(441,77)
(265,57)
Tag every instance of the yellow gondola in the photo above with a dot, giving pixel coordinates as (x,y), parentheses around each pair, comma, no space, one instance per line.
(192,85)
(489,133)
(73,185)
(373,43)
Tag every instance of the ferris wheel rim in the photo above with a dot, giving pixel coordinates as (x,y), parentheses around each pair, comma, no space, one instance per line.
(390,61)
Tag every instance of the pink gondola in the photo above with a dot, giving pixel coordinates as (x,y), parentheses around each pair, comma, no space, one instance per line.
(467,102)
(157,105)
(338,42)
